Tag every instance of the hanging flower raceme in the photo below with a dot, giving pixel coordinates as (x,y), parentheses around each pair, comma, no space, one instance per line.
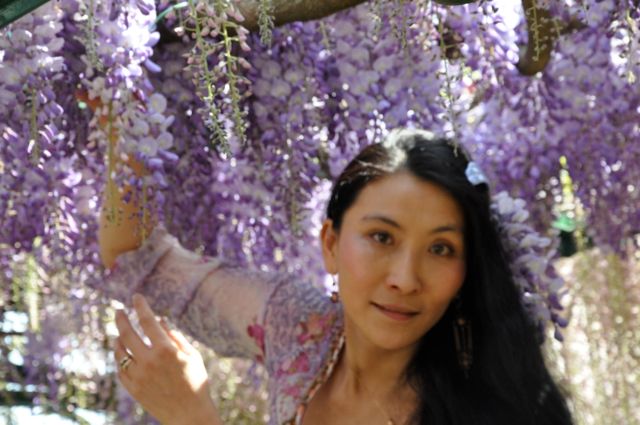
(216,69)
(31,127)
(378,79)
(530,257)
(130,117)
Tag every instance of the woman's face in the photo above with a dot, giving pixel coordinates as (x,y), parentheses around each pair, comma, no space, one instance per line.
(400,259)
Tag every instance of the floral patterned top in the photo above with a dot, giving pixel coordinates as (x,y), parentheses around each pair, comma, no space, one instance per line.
(291,327)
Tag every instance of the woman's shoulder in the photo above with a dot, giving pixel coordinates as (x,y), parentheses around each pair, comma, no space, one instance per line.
(299,314)
(303,325)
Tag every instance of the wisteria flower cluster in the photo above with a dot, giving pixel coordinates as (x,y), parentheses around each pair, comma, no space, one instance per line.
(32,129)
(127,107)
(530,258)
(517,119)
(216,69)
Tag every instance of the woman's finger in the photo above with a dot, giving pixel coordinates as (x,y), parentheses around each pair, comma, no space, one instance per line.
(177,337)
(125,378)
(120,353)
(125,365)
(128,336)
(149,323)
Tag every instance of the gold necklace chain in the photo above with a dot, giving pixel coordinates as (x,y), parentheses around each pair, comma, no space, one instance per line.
(389,418)
(375,401)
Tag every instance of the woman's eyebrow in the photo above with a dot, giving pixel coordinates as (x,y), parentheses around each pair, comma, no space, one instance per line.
(447,228)
(393,223)
(383,218)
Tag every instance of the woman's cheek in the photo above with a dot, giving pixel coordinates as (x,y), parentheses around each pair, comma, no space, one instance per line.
(357,256)
(444,277)
(461,271)
(455,276)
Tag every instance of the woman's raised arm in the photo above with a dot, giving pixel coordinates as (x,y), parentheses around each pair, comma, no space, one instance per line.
(122,227)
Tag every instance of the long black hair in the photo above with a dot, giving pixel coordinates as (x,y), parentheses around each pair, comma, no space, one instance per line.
(508,382)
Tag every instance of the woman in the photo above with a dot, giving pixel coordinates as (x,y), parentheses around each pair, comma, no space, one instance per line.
(426,326)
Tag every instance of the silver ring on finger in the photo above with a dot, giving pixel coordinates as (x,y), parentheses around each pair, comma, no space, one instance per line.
(125,362)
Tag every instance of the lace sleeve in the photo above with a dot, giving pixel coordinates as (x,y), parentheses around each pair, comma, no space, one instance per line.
(220,305)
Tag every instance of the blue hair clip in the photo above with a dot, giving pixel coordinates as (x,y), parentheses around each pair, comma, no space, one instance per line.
(475,175)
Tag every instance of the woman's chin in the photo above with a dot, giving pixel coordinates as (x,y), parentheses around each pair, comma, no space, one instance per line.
(393,341)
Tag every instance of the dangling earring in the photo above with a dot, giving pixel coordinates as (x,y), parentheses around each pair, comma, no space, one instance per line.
(334,293)
(463,339)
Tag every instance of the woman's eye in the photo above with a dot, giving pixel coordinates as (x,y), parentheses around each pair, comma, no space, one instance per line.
(381,237)
(442,250)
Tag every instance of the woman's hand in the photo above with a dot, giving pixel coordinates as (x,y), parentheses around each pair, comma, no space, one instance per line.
(168,377)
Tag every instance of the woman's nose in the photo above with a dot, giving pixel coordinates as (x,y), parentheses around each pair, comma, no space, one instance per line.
(404,274)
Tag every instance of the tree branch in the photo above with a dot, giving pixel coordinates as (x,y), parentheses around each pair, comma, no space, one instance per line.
(541,39)
(11,333)
(286,11)
(543,32)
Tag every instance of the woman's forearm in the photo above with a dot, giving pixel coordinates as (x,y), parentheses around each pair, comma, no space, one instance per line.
(207,416)
(123,225)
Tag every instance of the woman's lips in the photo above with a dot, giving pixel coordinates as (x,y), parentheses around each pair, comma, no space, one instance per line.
(396,313)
